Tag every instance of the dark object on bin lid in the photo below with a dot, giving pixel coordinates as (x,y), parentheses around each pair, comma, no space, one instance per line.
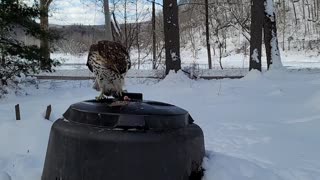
(133,96)
(133,114)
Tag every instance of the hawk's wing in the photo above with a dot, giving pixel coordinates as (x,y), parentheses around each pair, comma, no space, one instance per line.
(93,47)
(114,56)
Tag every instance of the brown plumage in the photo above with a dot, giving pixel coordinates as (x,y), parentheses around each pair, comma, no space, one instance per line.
(109,61)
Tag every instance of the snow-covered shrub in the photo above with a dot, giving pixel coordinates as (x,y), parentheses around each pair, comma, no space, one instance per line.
(17,85)
(14,65)
(3,90)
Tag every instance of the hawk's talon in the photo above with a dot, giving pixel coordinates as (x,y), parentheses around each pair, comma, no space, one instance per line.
(100,97)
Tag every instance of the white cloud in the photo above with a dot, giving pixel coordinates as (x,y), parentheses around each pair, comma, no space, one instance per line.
(75,12)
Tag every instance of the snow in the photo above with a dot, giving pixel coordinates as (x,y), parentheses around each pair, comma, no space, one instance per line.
(253,75)
(269,9)
(218,167)
(275,54)
(255,55)
(291,59)
(132,73)
(174,56)
(4,176)
(264,126)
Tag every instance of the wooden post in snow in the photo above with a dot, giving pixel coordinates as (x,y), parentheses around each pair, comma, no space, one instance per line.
(17,109)
(48,112)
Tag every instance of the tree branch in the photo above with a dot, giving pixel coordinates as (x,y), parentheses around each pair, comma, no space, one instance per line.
(151,1)
(48,2)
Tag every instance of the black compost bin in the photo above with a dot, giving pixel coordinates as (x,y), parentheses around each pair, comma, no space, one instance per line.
(124,140)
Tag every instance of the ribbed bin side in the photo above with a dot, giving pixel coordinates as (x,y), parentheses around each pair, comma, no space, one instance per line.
(83,152)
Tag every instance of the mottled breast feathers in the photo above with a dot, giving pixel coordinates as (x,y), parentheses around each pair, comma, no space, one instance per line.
(113,56)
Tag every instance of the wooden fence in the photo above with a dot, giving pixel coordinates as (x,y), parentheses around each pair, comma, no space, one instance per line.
(76,78)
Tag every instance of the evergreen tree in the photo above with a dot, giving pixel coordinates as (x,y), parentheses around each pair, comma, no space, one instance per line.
(15,56)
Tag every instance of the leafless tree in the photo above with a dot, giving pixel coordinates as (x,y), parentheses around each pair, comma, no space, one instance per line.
(171,33)
(154,35)
(108,35)
(44,40)
(271,36)
(257,18)
(208,34)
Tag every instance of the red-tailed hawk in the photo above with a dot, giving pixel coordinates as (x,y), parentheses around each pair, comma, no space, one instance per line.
(109,61)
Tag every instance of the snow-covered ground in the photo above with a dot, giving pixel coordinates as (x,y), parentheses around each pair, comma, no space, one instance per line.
(234,64)
(291,59)
(261,127)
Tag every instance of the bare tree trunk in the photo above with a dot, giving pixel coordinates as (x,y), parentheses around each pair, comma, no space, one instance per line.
(137,34)
(303,10)
(315,10)
(220,55)
(171,35)
(289,46)
(116,30)
(270,37)
(125,25)
(154,37)
(220,46)
(2,60)
(295,13)
(208,34)
(257,16)
(45,63)
(108,31)
(309,18)
(284,25)
(309,13)
(318,4)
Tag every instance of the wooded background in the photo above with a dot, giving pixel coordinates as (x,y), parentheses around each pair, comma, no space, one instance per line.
(229,22)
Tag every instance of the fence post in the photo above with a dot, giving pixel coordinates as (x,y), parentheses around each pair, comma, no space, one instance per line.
(17,109)
(48,112)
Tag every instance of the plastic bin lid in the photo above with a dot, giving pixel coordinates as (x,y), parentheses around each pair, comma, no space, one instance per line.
(113,114)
